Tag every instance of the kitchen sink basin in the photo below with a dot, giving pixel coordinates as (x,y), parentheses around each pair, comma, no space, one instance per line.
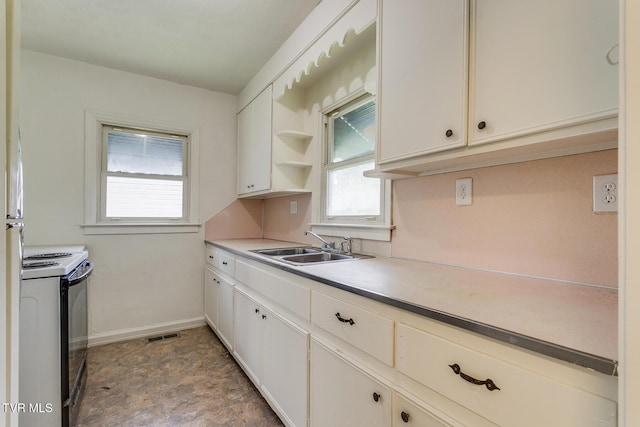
(306,255)
(288,251)
(317,257)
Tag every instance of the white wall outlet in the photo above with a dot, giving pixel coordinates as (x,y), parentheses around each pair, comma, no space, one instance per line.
(464,188)
(294,207)
(605,193)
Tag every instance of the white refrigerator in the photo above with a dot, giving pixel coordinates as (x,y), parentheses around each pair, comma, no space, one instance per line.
(11,242)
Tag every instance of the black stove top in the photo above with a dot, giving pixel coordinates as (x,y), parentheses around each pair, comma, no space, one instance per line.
(39,264)
(51,255)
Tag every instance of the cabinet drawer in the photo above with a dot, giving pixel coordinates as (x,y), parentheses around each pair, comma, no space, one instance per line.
(407,412)
(226,263)
(288,294)
(368,331)
(211,256)
(522,397)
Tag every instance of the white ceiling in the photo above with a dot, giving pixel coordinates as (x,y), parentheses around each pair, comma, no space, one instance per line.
(213,44)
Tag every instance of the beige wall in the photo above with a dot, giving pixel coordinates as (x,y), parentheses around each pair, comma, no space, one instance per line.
(141,282)
(532,218)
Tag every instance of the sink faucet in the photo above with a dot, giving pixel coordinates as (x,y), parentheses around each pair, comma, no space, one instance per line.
(348,242)
(325,244)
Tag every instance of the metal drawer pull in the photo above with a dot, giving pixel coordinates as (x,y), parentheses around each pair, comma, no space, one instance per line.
(487,383)
(405,416)
(343,320)
(376,397)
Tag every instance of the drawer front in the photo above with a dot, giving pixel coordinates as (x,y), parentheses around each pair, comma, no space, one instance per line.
(211,256)
(368,331)
(288,294)
(520,396)
(407,412)
(226,263)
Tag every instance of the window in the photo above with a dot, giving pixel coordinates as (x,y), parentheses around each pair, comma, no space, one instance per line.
(144,175)
(139,175)
(348,196)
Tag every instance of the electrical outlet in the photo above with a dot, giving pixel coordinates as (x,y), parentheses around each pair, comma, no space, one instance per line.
(605,193)
(463,191)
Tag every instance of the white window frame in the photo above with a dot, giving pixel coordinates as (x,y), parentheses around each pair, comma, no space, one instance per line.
(366,227)
(96,221)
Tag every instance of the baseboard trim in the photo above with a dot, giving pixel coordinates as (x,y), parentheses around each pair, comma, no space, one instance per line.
(145,331)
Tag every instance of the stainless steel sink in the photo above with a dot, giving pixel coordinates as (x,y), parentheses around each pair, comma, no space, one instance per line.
(287,251)
(317,257)
(307,255)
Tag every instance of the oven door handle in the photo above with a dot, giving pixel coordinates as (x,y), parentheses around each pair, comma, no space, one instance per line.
(80,273)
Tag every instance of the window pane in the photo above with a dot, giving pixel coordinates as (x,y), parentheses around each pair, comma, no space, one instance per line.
(349,193)
(354,132)
(148,154)
(143,198)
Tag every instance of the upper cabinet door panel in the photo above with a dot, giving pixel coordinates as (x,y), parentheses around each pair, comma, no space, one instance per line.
(422,77)
(539,65)
(254,144)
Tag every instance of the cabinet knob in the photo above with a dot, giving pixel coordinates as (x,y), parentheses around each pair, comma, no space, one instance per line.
(405,416)
(376,397)
(482,125)
(449,133)
(257,310)
(264,316)
(224,263)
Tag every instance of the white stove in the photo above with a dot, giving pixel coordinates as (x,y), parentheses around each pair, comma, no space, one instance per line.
(51,261)
(53,333)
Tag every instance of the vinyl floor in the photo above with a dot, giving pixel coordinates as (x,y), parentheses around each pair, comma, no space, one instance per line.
(191,380)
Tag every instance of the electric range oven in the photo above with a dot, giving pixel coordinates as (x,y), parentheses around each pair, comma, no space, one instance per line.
(53,334)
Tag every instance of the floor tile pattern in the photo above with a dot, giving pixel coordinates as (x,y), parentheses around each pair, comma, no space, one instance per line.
(191,380)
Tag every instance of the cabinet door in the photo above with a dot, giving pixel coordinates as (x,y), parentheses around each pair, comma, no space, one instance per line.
(344,395)
(248,335)
(539,65)
(285,375)
(211,284)
(407,412)
(254,144)
(225,313)
(422,77)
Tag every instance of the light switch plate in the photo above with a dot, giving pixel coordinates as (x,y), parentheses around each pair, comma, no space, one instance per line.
(294,207)
(605,193)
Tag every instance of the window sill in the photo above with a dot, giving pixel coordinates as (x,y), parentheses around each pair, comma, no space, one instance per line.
(140,228)
(368,232)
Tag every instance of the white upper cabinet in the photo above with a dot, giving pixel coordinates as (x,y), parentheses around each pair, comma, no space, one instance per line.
(254,145)
(540,65)
(422,77)
(472,83)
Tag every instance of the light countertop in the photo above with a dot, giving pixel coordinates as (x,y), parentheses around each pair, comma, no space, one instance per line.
(572,322)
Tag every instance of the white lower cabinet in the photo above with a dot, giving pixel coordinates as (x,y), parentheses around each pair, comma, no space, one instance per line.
(273,351)
(211,285)
(324,357)
(342,394)
(218,306)
(225,312)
